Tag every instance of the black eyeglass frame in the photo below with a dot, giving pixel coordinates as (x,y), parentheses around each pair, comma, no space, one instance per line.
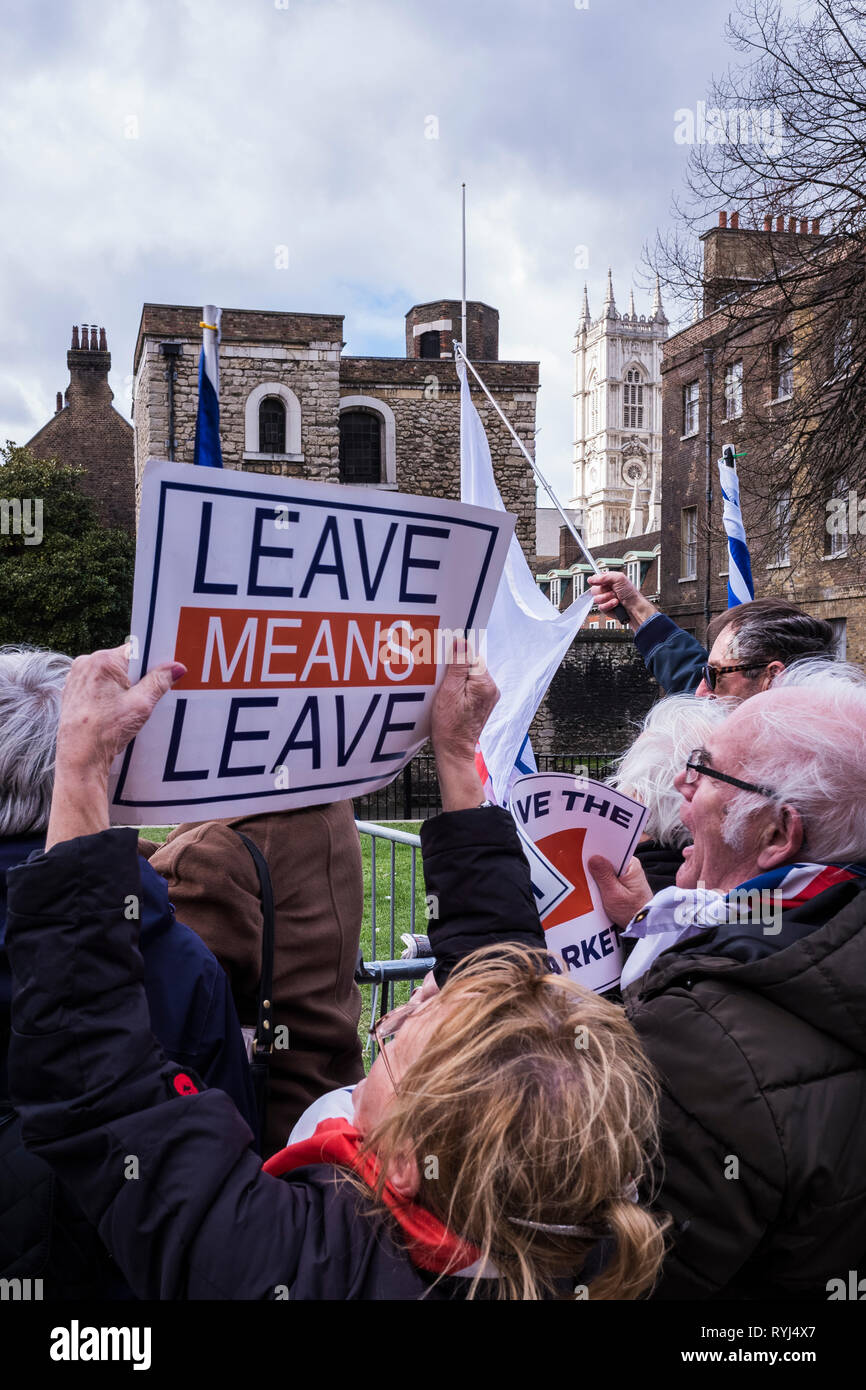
(701,768)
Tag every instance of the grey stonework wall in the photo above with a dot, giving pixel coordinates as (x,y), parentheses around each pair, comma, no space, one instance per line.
(598,697)
(425,398)
(303,353)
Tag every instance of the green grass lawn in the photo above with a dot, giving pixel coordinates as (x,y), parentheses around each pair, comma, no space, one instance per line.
(401,903)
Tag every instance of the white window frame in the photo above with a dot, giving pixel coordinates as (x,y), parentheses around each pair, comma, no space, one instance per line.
(389,436)
(688,543)
(784,376)
(252,452)
(781,506)
(555,593)
(691,408)
(734,389)
(611,622)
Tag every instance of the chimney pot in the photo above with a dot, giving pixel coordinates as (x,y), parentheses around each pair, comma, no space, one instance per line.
(93,343)
(735,220)
(74,336)
(723,219)
(792,224)
(103,342)
(816,225)
(768,223)
(780,223)
(59,405)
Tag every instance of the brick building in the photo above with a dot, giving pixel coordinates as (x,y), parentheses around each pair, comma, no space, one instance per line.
(292,404)
(723,377)
(87,432)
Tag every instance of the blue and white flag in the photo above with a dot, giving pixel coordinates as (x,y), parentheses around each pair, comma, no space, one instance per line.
(740,586)
(207,424)
(526,637)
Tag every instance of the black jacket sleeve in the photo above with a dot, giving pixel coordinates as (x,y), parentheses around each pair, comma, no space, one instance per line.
(478,885)
(167,1175)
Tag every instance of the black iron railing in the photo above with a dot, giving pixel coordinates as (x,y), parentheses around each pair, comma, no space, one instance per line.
(414,794)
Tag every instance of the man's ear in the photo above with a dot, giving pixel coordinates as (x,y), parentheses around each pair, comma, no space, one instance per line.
(782,841)
(403,1175)
(771,673)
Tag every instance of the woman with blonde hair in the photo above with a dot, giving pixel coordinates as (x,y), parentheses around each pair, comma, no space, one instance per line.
(495,1149)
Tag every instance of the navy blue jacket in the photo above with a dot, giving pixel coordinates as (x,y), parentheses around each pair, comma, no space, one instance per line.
(193,1015)
(672,656)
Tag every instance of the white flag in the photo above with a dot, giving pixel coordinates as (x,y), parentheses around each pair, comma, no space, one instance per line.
(526,636)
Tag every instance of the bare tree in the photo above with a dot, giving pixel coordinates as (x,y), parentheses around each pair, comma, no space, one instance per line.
(783,144)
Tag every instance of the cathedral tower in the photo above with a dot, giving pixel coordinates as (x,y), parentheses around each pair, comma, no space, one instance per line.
(617,419)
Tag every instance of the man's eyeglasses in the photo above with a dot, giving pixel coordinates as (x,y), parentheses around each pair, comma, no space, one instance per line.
(697,766)
(712,673)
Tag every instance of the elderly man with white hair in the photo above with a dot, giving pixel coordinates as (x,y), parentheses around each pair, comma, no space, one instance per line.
(755,1017)
(754,1013)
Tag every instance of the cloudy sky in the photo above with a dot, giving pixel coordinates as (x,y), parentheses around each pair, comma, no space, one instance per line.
(165,149)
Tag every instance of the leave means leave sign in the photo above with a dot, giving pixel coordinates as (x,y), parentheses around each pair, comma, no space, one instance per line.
(314,621)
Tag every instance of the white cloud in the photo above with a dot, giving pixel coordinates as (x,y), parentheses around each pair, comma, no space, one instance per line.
(161,151)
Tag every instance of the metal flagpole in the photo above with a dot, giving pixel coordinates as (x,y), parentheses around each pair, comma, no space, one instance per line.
(463,306)
(531,461)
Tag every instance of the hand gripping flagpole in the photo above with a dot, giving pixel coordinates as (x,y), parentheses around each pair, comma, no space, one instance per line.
(618,612)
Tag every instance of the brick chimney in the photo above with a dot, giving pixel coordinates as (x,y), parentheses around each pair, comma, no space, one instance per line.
(780,223)
(723,219)
(89,364)
(768,223)
(735,220)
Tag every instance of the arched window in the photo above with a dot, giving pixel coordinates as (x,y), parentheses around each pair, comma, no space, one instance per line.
(272,426)
(632,404)
(360,447)
(430,345)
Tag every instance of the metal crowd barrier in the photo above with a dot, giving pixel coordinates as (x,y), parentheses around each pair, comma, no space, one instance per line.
(384,973)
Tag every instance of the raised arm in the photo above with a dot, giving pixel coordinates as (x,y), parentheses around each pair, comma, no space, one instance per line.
(476,875)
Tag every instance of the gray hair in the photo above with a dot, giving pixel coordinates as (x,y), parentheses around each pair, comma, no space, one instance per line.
(809,748)
(31,683)
(673,728)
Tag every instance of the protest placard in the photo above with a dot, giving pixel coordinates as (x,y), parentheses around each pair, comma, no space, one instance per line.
(314,621)
(563,820)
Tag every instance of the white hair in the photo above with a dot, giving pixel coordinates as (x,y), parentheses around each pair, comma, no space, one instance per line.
(807,744)
(31,683)
(814,668)
(672,730)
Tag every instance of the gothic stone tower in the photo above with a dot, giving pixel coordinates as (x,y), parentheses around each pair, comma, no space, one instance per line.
(617,419)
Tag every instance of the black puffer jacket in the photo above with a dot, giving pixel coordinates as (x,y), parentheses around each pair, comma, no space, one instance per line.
(760,1044)
(194,1216)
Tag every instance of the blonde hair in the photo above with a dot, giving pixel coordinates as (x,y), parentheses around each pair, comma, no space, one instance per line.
(536,1100)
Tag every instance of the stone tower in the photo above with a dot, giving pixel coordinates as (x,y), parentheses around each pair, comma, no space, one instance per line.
(617,419)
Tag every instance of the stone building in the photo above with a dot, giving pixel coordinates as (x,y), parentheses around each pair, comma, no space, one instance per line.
(618,419)
(720,378)
(291,402)
(87,432)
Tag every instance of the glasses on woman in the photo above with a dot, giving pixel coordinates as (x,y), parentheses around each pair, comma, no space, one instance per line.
(388,1026)
(698,765)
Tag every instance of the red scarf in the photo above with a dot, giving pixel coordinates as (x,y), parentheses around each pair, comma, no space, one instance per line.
(430,1245)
